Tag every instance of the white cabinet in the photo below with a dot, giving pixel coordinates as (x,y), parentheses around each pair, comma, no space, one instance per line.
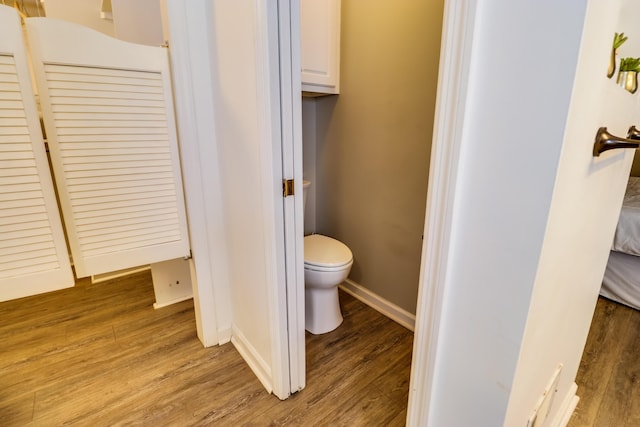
(320,46)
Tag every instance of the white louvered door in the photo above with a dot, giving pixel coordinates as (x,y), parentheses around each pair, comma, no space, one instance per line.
(33,253)
(108,114)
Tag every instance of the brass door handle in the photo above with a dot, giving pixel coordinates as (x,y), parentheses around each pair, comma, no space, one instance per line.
(606,141)
(633,133)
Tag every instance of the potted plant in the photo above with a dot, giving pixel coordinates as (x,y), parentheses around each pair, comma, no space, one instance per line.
(618,40)
(628,74)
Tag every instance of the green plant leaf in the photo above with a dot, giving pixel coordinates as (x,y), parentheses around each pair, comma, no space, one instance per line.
(630,64)
(618,40)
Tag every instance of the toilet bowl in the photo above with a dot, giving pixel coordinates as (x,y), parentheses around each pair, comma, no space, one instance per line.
(327,263)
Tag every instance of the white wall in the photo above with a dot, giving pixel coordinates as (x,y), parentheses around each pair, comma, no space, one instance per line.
(138,21)
(521,76)
(83,12)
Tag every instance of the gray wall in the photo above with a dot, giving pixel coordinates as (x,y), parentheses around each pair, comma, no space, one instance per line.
(372,142)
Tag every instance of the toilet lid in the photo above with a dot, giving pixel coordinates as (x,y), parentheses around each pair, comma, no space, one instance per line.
(323,251)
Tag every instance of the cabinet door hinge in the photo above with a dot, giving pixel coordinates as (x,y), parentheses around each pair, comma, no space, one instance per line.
(288,188)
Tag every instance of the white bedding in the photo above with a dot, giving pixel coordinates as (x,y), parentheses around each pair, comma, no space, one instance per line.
(627,237)
(621,282)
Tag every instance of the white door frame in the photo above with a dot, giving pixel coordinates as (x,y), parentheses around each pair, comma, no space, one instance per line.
(457,33)
(281,117)
(186,27)
(291,121)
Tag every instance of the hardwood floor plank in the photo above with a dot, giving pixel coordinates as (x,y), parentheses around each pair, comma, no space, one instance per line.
(101,355)
(357,360)
(62,362)
(609,369)
(17,411)
(395,382)
(632,358)
(366,407)
(617,407)
(177,395)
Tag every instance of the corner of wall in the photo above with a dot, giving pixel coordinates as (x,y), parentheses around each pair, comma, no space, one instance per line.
(309,161)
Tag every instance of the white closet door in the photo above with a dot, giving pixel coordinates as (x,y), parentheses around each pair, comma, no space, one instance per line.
(33,253)
(108,114)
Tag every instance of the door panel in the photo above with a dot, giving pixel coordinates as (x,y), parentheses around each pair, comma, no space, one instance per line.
(291,148)
(585,206)
(108,113)
(33,253)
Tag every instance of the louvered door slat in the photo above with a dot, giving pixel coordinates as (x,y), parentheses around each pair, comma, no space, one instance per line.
(95,94)
(103,109)
(108,114)
(16,146)
(33,255)
(125,131)
(10,96)
(9,251)
(9,220)
(128,211)
(21,211)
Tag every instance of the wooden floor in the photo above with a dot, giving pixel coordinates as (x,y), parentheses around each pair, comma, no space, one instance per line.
(100,355)
(609,374)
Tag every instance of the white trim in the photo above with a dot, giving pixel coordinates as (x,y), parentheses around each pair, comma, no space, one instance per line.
(291,128)
(381,305)
(168,303)
(224,336)
(104,277)
(271,148)
(453,74)
(567,408)
(253,359)
(190,59)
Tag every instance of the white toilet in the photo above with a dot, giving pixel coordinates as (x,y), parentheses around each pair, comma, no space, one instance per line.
(327,263)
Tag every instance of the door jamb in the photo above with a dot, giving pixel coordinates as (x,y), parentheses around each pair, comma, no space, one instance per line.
(291,122)
(458,25)
(186,23)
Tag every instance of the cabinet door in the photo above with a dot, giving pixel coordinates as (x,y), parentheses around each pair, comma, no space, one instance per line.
(108,113)
(33,253)
(320,45)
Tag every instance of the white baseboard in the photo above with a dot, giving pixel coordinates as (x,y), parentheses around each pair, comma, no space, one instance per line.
(224,336)
(157,305)
(253,359)
(99,278)
(568,406)
(380,304)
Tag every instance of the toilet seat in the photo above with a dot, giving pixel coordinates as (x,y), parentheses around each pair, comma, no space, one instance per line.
(323,253)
